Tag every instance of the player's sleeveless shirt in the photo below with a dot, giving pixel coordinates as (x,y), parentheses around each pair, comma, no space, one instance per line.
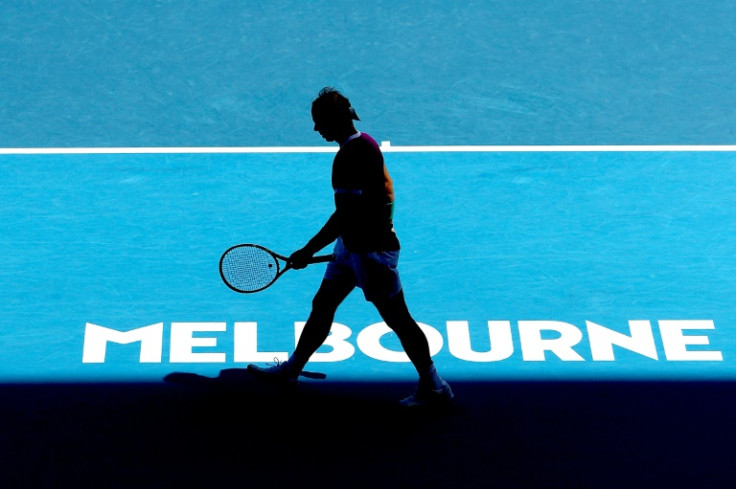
(363,196)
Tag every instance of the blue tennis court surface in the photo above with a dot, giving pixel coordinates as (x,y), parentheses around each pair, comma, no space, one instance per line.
(580,301)
(521,265)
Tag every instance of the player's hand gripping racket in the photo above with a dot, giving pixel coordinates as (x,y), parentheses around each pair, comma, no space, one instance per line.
(248,268)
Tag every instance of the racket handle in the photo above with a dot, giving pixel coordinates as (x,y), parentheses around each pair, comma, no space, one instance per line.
(314,259)
(322,258)
(312,375)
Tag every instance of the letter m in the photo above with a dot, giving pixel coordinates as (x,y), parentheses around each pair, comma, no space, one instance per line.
(96,339)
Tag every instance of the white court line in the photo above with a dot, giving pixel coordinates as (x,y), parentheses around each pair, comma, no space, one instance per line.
(385,146)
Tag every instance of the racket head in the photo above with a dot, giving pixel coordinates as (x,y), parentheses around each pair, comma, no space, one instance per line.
(248,268)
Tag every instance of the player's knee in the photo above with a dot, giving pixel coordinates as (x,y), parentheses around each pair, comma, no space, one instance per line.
(394,309)
(324,302)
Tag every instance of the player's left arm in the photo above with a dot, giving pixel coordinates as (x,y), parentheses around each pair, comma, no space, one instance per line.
(388,185)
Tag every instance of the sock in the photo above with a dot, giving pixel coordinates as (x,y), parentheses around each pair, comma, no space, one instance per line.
(295,364)
(432,378)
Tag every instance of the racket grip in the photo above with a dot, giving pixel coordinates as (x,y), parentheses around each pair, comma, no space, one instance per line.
(312,375)
(322,258)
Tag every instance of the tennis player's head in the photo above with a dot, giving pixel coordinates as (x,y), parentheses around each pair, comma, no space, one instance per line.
(333,115)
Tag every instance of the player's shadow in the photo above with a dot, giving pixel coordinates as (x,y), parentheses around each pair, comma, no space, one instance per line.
(227,378)
(234,384)
(239,385)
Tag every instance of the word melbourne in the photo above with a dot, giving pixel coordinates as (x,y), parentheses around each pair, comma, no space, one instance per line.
(534,341)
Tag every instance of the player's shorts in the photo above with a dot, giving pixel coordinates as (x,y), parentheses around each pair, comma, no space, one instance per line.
(375,272)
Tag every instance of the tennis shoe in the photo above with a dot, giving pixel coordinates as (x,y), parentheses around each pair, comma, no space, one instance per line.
(426,396)
(278,375)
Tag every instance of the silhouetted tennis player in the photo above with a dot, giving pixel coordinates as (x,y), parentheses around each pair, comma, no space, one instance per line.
(366,252)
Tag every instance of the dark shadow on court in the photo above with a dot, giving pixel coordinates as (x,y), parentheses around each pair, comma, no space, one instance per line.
(199,432)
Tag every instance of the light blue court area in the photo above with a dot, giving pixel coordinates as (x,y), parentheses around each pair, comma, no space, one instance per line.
(520,265)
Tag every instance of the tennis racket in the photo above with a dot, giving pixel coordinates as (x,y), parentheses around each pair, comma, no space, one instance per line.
(248,268)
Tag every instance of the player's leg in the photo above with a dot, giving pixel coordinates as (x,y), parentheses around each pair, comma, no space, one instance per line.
(432,389)
(330,295)
(395,314)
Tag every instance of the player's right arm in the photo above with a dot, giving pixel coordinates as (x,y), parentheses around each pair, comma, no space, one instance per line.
(329,233)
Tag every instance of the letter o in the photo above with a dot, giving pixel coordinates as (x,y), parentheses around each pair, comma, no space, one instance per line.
(369,342)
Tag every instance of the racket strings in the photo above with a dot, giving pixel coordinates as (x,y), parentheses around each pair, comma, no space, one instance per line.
(249,268)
